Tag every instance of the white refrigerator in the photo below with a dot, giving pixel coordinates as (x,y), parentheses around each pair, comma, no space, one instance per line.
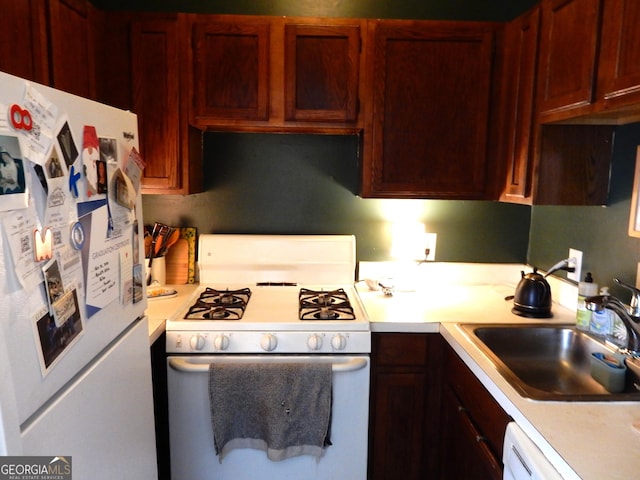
(75,372)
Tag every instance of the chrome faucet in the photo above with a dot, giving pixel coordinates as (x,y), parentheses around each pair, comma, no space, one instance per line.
(630,315)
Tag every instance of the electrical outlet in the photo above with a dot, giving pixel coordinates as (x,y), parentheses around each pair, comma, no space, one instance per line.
(577,255)
(430,240)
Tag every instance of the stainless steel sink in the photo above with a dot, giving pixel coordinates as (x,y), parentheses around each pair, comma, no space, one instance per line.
(546,362)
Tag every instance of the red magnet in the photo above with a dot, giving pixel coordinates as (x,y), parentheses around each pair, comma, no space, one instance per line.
(20,118)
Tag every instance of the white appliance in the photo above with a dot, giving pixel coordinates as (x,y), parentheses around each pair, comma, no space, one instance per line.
(301,306)
(74,349)
(523,460)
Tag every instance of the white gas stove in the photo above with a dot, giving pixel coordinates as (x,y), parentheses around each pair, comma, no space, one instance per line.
(273,294)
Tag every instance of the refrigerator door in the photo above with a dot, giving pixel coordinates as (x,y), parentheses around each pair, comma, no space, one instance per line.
(75,369)
(20,307)
(104,420)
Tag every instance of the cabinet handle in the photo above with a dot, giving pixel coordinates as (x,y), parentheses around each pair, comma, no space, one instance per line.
(490,461)
(462,409)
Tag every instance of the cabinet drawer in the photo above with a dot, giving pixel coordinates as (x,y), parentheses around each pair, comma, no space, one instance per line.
(400,349)
(469,454)
(489,417)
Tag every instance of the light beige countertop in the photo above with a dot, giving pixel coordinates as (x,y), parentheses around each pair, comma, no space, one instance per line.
(160,308)
(583,440)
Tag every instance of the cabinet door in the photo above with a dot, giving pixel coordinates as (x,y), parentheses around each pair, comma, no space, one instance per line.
(404,440)
(619,71)
(399,418)
(23,40)
(72,46)
(231,70)
(431,96)
(574,164)
(521,44)
(568,49)
(321,72)
(473,425)
(466,455)
(155,59)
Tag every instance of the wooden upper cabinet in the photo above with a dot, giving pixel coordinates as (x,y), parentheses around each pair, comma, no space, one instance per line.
(23,40)
(72,24)
(568,52)
(619,70)
(573,164)
(432,85)
(322,71)
(169,147)
(231,70)
(272,73)
(517,132)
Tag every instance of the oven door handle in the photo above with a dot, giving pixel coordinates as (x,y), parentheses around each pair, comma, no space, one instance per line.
(183,364)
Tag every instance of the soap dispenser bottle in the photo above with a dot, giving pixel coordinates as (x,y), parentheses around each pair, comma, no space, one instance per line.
(586,288)
(600,323)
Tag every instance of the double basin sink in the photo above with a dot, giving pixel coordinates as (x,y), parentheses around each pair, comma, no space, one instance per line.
(547,362)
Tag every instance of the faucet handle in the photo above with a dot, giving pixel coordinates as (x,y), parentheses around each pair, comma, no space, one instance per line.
(634,304)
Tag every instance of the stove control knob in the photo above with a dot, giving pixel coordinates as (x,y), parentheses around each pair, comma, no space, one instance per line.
(268,342)
(221,342)
(197,342)
(339,342)
(314,342)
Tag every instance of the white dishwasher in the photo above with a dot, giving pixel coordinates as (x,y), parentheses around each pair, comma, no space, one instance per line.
(523,460)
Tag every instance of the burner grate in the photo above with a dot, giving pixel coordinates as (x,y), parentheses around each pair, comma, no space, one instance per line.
(213,304)
(324,305)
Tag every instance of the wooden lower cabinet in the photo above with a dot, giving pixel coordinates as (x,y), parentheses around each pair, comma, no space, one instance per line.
(466,454)
(473,425)
(405,400)
(430,417)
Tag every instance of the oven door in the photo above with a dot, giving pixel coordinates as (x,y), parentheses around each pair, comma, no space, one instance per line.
(191,437)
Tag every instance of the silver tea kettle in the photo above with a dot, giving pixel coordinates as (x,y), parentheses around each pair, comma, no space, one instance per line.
(533,293)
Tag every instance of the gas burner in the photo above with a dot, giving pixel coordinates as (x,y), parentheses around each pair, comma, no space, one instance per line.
(215,304)
(226,298)
(325,305)
(217,313)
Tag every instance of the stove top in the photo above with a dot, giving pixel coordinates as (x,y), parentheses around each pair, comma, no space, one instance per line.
(298,318)
(273,293)
(270,307)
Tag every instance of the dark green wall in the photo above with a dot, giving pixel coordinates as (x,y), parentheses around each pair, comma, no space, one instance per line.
(268,183)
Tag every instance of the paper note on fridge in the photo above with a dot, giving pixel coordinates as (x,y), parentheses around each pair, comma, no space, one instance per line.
(100,258)
(19,226)
(37,141)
